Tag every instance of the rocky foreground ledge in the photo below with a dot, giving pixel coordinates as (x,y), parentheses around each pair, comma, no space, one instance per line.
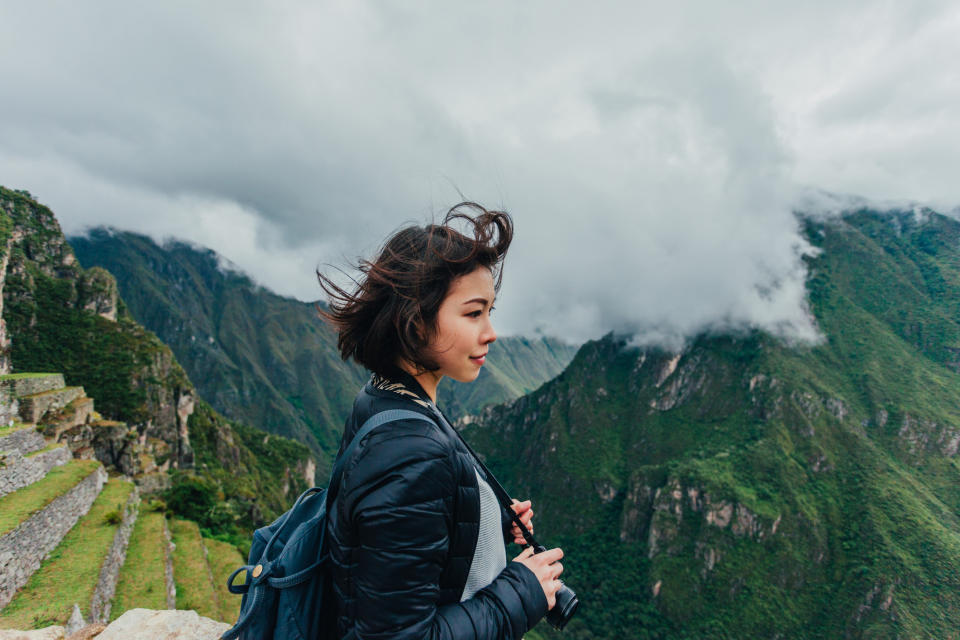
(135,624)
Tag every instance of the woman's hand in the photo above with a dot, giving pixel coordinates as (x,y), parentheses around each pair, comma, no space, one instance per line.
(523,510)
(546,566)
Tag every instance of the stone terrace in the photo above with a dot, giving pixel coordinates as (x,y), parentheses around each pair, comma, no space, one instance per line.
(62,515)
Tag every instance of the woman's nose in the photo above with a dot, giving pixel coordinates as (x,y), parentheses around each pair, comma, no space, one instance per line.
(489,335)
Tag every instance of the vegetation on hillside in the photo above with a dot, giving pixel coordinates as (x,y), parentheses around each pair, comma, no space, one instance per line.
(62,318)
(747,488)
(244,478)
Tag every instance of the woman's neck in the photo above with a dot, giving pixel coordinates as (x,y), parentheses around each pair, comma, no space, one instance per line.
(427,379)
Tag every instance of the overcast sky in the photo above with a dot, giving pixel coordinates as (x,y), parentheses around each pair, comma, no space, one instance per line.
(650,153)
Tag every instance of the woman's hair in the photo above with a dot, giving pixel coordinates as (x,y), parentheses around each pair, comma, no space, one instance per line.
(392,312)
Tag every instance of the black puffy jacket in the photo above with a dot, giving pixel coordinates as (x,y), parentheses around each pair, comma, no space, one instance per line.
(404,528)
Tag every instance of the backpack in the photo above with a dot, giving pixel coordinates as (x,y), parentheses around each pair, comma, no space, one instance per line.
(287,575)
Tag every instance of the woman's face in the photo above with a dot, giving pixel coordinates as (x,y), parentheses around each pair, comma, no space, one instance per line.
(464,331)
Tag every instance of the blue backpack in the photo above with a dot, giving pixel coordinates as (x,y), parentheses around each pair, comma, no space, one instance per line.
(287,573)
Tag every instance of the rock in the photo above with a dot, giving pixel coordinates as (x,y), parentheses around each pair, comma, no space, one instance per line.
(97,291)
(88,632)
(668,368)
(720,515)
(47,633)
(76,621)
(116,444)
(144,624)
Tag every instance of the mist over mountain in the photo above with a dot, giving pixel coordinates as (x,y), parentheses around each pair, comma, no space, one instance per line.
(742,487)
(269,360)
(648,153)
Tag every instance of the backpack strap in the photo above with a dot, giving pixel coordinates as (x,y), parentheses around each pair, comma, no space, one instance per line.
(333,486)
(374,421)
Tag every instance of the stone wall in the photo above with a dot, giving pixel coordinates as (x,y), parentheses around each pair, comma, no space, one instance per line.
(24,440)
(8,411)
(110,570)
(9,407)
(22,550)
(31,384)
(168,567)
(17,471)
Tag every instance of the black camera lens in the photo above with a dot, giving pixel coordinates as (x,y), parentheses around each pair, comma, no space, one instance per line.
(566,605)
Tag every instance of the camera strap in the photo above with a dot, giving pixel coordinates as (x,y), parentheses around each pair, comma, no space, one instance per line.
(502,496)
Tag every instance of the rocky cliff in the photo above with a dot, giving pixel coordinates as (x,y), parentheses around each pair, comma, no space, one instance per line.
(63,318)
(67,319)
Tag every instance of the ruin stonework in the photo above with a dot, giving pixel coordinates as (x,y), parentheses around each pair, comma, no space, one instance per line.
(23,440)
(23,549)
(18,471)
(110,571)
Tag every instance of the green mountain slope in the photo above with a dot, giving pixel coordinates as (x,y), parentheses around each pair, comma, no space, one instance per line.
(266,359)
(747,489)
(63,318)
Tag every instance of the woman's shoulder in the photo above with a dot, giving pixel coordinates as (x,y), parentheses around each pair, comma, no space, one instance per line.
(413,452)
(419,423)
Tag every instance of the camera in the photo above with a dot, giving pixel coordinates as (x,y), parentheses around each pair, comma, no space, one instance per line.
(566,602)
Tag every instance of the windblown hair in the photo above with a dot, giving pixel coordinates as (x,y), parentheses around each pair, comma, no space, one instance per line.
(392,312)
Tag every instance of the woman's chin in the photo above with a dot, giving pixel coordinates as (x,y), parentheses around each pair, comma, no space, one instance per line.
(467,376)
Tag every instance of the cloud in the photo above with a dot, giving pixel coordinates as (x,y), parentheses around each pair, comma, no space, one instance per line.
(650,154)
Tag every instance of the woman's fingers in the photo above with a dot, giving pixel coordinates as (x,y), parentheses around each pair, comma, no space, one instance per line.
(515,530)
(546,567)
(520,507)
(518,537)
(525,512)
(526,553)
(551,555)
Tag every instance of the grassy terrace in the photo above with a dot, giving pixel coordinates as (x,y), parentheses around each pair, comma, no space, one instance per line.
(49,447)
(194,590)
(50,392)
(224,559)
(16,426)
(142,582)
(69,574)
(20,505)
(21,376)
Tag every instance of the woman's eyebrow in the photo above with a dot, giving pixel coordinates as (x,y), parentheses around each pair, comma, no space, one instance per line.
(480,300)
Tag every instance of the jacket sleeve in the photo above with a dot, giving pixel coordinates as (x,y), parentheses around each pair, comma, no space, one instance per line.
(402,503)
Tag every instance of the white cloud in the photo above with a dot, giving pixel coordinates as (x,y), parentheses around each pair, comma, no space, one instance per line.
(649,153)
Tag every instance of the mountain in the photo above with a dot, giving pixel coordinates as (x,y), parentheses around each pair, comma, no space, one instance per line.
(747,488)
(62,318)
(266,359)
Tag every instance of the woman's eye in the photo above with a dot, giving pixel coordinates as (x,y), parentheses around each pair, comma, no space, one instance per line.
(476,314)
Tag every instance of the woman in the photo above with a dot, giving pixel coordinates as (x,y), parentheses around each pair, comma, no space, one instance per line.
(416,535)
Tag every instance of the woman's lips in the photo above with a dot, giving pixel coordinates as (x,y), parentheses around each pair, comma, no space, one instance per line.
(479,360)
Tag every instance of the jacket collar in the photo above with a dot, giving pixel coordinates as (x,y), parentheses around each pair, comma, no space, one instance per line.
(400,382)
